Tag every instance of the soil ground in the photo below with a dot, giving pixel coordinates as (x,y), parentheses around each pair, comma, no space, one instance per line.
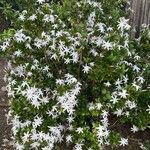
(4,107)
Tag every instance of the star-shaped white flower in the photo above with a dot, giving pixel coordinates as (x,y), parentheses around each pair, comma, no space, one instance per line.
(79,130)
(33,17)
(78,146)
(140,79)
(123,94)
(17,53)
(123,24)
(137,87)
(148,109)
(68,138)
(123,142)
(40,1)
(99,106)
(118,82)
(118,112)
(114,99)
(107,84)
(136,68)
(134,129)
(86,68)
(107,45)
(21,17)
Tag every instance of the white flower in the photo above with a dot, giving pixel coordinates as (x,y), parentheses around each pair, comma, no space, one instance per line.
(94,4)
(123,142)
(21,17)
(91,106)
(78,146)
(54,56)
(107,84)
(68,138)
(148,109)
(137,57)
(33,17)
(134,129)
(75,57)
(79,130)
(118,82)
(107,45)
(67,60)
(34,136)
(123,94)
(56,131)
(20,71)
(101,27)
(5,44)
(25,137)
(70,119)
(37,121)
(59,81)
(3,47)
(125,79)
(91,21)
(123,24)
(131,104)
(136,68)
(29,74)
(28,46)
(118,112)
(40,1)
(114,99)
(33,95)
(68,100)
(34,145)
(86,68)
(44,100)
(19,146)
(20,36)
(100,131)
(46,68)
(93,52)
(47,148)
(140,79)
(99,106)
(17,53)
(99,41)
(49,18)
(109,29)
(137,87)
(13,82)
(127,113)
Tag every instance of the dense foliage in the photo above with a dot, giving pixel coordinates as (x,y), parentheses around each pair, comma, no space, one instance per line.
(72,69)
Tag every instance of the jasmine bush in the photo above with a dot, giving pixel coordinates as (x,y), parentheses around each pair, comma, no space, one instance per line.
(73,67)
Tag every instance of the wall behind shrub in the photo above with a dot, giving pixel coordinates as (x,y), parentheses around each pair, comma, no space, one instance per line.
(140,15)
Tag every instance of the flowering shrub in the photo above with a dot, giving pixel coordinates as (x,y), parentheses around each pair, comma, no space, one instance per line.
(72,68)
